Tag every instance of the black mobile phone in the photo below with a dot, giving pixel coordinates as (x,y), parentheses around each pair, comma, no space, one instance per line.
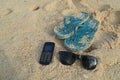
(47,53)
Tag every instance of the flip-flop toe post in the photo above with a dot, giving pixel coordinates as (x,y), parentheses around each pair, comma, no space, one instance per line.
(83,36)
(66,28)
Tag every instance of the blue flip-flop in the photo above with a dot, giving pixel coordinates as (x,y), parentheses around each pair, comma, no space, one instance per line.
(66,28)
(83,36)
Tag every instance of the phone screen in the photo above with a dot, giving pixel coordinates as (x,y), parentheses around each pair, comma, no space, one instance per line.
(48,47)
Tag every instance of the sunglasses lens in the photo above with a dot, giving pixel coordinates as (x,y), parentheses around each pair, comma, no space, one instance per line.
(67,58)
(89,62)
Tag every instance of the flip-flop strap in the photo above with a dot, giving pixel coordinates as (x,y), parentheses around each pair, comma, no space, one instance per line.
(88,28)
(81,16)
(68,19)
(76,18)
(89,25)
(93,23)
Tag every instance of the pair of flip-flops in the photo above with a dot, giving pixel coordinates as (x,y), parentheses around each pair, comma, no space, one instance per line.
(77,30)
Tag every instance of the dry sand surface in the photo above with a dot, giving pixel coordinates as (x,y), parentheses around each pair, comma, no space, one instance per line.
(26,24)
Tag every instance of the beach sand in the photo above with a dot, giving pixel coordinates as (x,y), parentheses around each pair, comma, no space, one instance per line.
(26,24)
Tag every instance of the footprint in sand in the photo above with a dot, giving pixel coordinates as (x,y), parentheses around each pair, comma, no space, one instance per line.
(4,12)
(105,7)
(72,4)
(113,17)
(77,4)
(106,40)
(55,6)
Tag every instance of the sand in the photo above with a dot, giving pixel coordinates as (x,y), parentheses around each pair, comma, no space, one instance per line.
(26,24)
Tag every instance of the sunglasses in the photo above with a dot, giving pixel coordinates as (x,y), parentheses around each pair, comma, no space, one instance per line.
(68,58)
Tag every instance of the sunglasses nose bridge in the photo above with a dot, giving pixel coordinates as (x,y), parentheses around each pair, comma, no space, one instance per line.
(68,58)
(78,56)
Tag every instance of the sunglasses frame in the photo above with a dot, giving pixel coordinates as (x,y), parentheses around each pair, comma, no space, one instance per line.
(68,58)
